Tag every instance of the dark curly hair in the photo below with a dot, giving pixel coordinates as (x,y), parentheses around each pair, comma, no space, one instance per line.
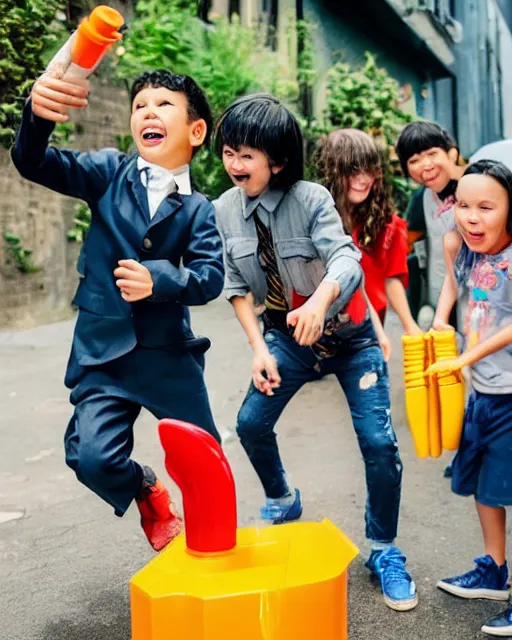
(345,153)
(198,106)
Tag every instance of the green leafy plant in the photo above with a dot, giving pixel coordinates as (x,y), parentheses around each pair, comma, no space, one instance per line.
(27,29)
(66,132)
(20,255)
(161,35)
(364,98)
(81,223)
(124,142)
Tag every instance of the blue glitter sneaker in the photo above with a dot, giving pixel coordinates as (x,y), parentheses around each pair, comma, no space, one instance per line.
(281,510)
(486,581)
(398,588)
(500,625)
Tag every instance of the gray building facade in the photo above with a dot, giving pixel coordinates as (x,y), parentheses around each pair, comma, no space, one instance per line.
(452,58)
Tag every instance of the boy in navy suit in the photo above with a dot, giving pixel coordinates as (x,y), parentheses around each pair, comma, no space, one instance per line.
(152,250)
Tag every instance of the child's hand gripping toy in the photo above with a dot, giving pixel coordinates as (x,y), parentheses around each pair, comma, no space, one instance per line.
(85,48)
(434,403)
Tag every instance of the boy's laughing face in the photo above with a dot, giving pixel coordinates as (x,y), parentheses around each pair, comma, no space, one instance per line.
(161,127)
(481,212)
(433,168)
(249,169)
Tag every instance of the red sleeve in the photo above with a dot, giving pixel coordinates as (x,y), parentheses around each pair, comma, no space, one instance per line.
(397,251)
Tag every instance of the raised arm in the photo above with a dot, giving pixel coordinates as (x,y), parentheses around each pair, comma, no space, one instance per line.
(481,350)
(397,277)
(80,175)
(452,243)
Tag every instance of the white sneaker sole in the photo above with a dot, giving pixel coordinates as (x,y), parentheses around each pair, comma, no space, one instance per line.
(406,605)
(501,632)
(473,594)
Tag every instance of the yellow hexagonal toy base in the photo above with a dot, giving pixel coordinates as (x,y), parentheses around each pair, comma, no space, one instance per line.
(281,582)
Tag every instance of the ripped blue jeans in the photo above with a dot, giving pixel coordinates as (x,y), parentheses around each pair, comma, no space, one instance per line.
(362,373)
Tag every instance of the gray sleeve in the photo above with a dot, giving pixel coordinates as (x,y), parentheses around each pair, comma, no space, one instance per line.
(337,250)
(234,284)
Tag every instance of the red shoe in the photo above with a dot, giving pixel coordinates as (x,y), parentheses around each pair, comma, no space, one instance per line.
(159,519)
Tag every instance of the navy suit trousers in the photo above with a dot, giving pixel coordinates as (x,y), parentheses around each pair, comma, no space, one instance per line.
(108,398)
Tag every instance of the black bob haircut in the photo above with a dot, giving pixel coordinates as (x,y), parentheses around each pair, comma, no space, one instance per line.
(262,122)
(417,137)
(198,106)
(501,173)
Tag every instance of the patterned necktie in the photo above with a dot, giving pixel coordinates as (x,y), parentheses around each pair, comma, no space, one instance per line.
(276,299)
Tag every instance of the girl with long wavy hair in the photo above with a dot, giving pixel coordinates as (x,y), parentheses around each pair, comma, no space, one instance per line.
(351,168)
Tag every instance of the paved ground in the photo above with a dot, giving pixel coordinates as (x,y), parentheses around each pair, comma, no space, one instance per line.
(66,563)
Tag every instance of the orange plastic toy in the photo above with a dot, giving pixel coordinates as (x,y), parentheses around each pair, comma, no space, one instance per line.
(84,50)
(434,404)
(219,583)
(95,35)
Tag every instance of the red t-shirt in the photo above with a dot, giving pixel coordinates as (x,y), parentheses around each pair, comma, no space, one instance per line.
(387,259)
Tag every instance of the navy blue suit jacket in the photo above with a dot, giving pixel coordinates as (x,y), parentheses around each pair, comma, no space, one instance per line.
(180,246)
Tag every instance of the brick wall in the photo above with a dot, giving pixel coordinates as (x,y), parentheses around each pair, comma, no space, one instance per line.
(42,218)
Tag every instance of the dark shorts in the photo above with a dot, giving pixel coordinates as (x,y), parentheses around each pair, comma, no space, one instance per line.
(483,464)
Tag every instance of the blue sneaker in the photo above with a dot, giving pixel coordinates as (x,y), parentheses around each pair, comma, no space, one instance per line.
(397,586)
(487,581)
(500,625)
(281,510)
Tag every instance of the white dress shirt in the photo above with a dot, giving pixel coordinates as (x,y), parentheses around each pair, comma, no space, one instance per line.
(160,182)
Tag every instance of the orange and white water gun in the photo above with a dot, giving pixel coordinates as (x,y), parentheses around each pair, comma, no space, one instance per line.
(85,48)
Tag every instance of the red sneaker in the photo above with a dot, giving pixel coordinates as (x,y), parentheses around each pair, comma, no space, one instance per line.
(159,519)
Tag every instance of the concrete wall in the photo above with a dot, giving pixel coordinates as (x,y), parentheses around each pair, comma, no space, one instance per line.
(42,218)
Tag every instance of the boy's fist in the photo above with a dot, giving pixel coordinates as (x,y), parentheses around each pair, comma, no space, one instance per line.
(52,97)
(134,280)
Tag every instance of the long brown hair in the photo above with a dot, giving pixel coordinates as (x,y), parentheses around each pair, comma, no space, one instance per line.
(345,153)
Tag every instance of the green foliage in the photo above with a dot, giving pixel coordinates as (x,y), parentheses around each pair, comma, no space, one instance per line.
(66,132)
(367,99)
(364,99)
(19,254)
(124,142)
(81,223)
(27,29)
(161,35)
